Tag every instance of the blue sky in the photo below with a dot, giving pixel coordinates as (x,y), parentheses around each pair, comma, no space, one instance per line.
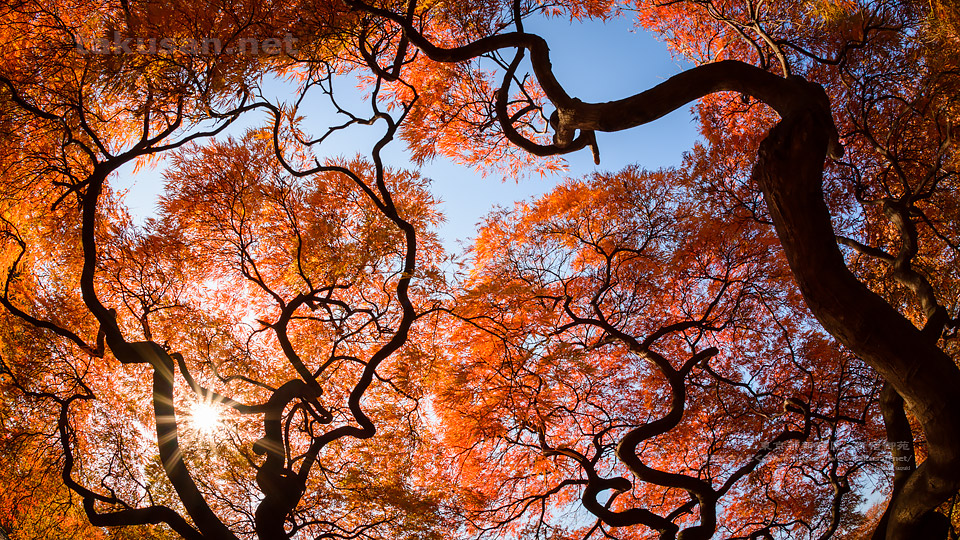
(594,60)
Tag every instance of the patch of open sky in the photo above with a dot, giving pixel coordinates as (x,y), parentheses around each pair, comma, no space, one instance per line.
(594,60)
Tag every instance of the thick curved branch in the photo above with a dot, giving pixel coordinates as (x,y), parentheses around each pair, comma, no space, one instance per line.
(169,445)
(596,485)
(281,487)
(784,95)
(628,453)
(899,436)
(904,272)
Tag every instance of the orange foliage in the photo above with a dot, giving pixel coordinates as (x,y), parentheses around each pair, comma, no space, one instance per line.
(627,356)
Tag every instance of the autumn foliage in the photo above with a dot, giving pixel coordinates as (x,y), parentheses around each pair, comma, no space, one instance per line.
(758,343)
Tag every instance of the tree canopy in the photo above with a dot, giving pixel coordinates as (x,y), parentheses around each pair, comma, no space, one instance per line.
(758,343)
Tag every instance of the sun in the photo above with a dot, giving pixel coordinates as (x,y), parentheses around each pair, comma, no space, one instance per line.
(205,417)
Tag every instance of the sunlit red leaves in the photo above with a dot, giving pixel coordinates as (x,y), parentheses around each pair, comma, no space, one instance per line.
(890,102)
(454,113)
(34,504)
(232,198)
(535,364)
(454,118)
(116,72)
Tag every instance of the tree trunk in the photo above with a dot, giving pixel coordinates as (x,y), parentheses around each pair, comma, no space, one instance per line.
(789,170)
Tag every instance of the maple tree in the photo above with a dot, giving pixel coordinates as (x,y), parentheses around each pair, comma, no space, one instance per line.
(893,106)
(744,346)
(113,355)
